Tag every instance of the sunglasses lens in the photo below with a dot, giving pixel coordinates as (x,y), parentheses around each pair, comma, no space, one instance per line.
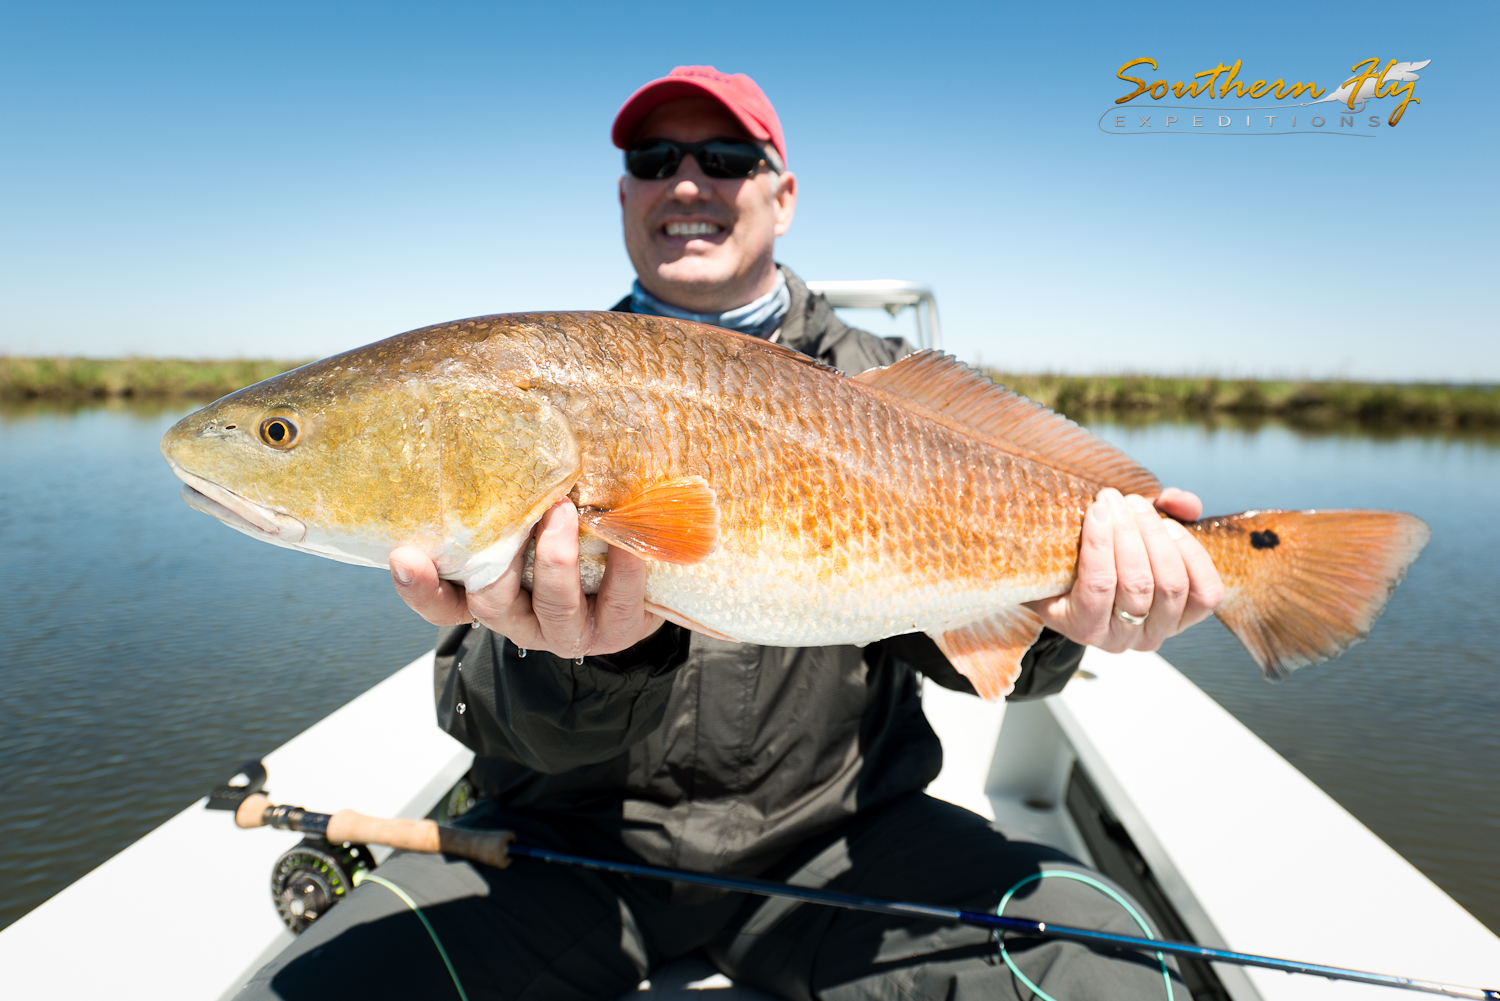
(729,159)
(653,161)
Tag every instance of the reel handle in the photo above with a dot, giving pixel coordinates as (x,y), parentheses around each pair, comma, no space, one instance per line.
(427,836)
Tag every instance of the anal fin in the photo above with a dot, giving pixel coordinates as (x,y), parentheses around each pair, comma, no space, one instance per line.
(675,521)
(989,652)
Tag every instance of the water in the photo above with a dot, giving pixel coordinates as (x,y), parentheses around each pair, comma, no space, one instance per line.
(145,649)
(1402,730)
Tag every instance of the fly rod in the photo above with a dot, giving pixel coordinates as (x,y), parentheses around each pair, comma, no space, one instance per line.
(497,848)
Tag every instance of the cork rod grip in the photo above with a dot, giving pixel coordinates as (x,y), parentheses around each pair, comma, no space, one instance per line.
(252,811)
(357,828)
(408,835)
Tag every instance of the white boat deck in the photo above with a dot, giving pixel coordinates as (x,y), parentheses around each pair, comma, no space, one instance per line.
(1253,856)
(119,933)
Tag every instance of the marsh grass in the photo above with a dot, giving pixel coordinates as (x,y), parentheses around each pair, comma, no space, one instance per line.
(74,379)
(1320,405)
(1330,405)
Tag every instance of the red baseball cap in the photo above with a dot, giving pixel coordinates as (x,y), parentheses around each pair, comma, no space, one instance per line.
(738,93)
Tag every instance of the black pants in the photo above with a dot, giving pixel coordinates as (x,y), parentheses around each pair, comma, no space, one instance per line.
(544,931)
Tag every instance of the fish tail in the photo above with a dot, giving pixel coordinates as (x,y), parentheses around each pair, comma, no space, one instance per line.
(1301,587)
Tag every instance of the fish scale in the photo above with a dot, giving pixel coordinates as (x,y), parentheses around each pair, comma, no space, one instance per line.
(774,500)
(864,493)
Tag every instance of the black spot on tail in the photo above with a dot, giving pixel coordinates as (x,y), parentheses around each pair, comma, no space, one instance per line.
(1265,540)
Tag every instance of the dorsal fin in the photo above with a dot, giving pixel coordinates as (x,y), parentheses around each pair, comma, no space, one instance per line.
(941,384)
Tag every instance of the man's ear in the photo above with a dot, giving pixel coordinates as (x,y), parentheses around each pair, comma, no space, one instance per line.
(786,202)
(622,191)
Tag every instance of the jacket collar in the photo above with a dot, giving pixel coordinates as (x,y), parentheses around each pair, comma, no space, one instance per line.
(810,326)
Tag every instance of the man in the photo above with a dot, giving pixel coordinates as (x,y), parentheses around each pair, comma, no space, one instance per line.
(602,730)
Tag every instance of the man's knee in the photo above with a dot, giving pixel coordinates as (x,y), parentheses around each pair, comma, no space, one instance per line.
(373,942)
(1071,894)
(933,852)
(531,930)
(864,957)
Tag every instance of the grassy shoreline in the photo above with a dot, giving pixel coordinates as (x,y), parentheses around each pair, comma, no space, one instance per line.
(1307,403)
(1304,403)
(76,379)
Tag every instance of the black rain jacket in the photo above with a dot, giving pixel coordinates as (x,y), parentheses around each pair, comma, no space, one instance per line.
(705,754)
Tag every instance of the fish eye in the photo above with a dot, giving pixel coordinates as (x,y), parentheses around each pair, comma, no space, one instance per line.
(279,432)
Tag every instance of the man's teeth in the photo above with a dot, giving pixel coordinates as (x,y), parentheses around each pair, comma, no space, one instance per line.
(693,228)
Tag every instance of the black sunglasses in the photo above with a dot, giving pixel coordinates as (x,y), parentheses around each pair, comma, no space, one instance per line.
(656,159)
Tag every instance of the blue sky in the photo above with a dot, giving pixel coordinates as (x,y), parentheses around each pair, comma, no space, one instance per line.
(289,180)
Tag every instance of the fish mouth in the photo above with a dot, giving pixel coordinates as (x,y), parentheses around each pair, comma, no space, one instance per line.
(237,511)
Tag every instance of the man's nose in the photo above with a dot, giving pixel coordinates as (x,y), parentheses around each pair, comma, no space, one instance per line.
(689,183)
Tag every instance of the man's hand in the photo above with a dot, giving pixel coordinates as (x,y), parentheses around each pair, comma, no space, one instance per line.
(1131,560)
(555,615)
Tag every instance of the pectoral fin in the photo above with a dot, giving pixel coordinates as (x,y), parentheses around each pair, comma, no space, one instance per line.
(675,521)
(989,652)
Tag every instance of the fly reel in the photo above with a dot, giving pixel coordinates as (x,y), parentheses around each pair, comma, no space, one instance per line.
(312,876)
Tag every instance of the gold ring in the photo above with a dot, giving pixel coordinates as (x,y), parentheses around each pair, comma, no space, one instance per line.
(1128,619)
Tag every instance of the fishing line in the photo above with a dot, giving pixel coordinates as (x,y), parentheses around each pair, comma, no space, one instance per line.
(369,877)
(1021,926)
(1166,978)
(498,848)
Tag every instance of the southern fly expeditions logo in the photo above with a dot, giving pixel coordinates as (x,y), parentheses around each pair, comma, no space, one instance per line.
(1346,111)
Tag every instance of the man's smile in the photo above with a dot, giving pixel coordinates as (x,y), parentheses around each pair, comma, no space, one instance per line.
(691,229)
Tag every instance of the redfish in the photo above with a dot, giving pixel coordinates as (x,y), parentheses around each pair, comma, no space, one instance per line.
(775,500)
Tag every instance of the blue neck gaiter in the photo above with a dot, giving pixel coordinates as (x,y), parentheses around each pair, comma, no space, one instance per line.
(761,318)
